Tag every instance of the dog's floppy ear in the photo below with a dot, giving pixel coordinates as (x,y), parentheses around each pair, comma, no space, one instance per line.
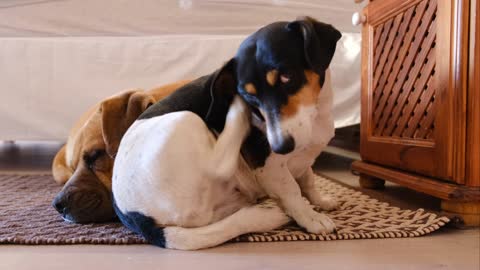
(223,86)
(224,83)
(319,40)
(118,113)
(61,172)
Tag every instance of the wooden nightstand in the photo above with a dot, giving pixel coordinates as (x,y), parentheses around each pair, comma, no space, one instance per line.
(421,100)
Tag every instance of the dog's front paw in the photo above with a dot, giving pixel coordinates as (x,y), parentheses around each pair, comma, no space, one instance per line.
(323,202)
(317,223)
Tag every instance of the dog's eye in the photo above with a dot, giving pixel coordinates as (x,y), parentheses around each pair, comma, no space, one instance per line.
(285,78)
(93,156)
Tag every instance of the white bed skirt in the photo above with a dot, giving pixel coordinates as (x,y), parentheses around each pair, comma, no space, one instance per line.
(47,83)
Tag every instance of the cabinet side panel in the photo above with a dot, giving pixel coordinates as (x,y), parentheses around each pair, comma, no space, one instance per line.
(473,117)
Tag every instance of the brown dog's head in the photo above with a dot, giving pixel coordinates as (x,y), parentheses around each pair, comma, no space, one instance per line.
(85,163)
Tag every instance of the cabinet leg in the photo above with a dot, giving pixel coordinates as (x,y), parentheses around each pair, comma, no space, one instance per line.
(371,182)
(468,211)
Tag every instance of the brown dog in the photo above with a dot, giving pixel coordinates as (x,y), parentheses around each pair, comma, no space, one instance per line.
(84,164)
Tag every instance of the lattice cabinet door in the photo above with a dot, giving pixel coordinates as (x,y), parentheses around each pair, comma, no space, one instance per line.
(413,111)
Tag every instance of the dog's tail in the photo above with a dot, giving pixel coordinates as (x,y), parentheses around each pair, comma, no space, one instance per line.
(256,218)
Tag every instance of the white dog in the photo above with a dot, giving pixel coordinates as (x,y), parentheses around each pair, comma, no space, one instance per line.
(182,187)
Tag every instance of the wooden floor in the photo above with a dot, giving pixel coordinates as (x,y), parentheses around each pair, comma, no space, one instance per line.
(446,249)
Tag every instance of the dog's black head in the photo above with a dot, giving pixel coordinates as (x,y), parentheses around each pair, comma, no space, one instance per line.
(280,70)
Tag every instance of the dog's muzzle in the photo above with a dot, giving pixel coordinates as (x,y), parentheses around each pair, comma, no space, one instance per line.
(83,206)
(84,199)
(284,145)
(280,141)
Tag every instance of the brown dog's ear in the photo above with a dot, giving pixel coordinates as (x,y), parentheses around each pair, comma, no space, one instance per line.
(118,113)
(319,41)
(61,172)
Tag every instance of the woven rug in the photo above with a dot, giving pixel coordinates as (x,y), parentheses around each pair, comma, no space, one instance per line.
(26,217)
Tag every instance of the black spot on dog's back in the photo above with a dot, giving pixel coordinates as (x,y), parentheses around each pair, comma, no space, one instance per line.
(209,97)
(193,97)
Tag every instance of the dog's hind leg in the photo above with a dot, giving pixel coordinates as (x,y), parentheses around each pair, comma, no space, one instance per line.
(226,152)
(256,218)
(307,186)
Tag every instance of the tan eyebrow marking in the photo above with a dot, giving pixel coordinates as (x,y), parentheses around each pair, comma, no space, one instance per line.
(250,88)
(272,76)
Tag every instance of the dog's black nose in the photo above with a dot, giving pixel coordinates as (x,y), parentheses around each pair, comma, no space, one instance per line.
(286,146)
(59,204)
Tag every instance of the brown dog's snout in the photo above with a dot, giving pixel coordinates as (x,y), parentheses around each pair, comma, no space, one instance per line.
(84,199)
(73,200)
(59,203)
(84,205)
